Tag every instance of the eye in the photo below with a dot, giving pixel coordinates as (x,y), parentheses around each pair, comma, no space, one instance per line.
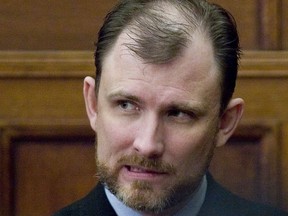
(127,105)
(181,116)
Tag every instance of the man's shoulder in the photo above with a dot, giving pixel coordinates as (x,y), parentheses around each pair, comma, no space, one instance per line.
(95,203)
(219,201)
(71,210)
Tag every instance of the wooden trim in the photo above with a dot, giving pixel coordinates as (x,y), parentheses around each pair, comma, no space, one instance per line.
(266,64)
(78,64)
(46,64)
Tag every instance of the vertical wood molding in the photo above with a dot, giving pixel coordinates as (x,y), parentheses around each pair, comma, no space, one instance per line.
(284,24)
(270,163)
(269,24)
(6,190)
(284,166)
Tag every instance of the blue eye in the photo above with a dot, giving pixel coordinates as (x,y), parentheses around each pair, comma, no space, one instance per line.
(127,106)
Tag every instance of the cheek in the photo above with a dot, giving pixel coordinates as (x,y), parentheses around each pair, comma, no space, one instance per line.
(191,151)
(112,138)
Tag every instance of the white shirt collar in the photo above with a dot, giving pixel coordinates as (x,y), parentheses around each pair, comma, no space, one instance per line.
(190,209)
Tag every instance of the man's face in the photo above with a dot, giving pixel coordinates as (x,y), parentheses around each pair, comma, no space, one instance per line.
(156,125)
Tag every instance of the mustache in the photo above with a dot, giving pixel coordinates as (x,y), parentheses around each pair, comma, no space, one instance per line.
(147,163)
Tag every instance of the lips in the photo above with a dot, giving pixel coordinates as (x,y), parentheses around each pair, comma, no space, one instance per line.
(136,169)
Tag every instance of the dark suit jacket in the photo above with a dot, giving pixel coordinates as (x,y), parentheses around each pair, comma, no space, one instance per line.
(218,202)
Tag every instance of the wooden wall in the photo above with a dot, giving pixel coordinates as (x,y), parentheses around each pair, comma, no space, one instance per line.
(47,152)
(46,144)
(72,25)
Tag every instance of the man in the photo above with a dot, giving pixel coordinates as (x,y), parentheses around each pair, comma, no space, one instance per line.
(160,104)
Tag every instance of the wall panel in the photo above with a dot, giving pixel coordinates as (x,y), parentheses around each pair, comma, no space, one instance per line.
(248,24)
(43,121)
(43,84)
(247,162)
(49,25)
(46,166)
(62,25)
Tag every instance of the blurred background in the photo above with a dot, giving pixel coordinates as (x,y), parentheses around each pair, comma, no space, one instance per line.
(46,144)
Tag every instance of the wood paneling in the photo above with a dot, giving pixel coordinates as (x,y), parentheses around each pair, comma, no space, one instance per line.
(46,144)
(63,25)
(43,121)
(46,166)
(49,25)
(49,165)
(263,80)
(248,25)
(269,24)
(43,84)
(247,162)
(259,22)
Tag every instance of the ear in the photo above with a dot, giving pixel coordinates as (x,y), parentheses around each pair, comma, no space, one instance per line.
(229,120)
(90,100)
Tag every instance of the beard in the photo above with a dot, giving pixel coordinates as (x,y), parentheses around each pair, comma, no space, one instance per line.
(140,194)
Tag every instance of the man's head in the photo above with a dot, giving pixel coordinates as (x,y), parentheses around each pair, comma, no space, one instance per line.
(157,111)
(159,37)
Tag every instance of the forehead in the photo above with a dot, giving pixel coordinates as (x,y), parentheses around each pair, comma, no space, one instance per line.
(190,78)
(195,62)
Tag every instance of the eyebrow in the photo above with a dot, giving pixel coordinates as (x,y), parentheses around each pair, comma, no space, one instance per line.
(198,110)
(123,94)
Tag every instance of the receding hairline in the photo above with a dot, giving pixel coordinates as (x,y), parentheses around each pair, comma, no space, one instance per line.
(169,17)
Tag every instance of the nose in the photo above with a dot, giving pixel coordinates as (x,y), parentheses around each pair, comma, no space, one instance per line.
(149,139)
